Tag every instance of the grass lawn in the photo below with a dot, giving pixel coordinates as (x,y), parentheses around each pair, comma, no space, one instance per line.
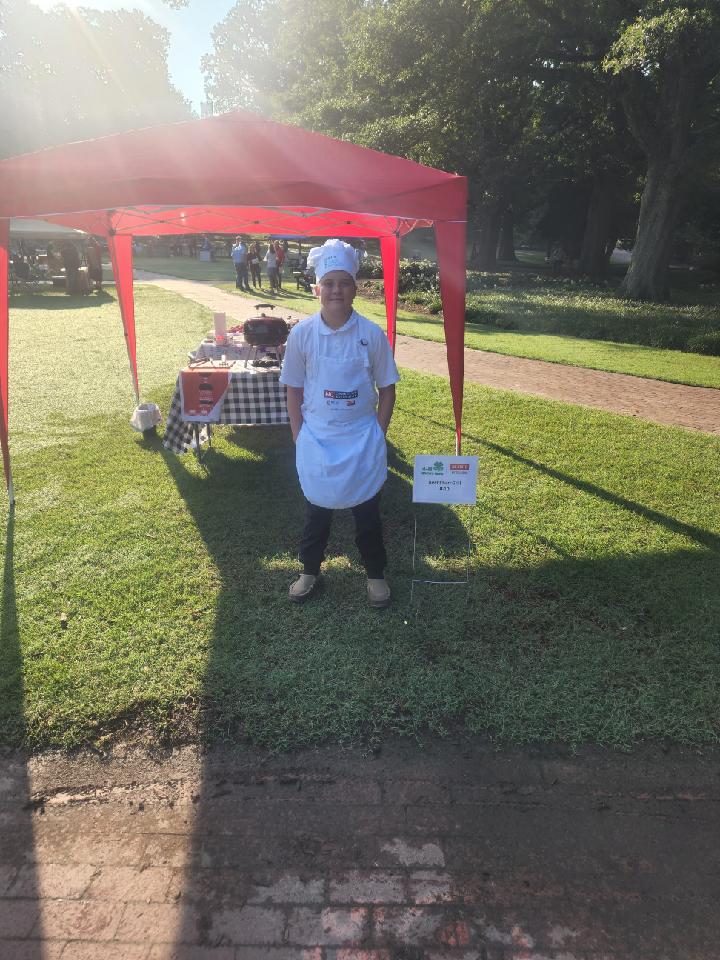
(658,364)
(214,271)
(591,612)
(532,311)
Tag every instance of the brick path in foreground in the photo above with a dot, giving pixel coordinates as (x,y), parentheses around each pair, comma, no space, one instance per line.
(673,404)
(446,852)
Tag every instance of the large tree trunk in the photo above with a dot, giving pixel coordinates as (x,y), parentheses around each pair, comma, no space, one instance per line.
(664,133)
(660,206)
(593,261)
(488,240)
(506,246)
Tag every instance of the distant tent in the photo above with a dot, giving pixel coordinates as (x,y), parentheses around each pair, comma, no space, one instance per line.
(42,230)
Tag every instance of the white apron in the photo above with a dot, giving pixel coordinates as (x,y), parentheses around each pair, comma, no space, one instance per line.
(341,454)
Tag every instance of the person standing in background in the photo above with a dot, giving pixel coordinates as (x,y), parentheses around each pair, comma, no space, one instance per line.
(271,261)
(93,258)
(280,254)
(71,262)
(254,262)
(239,255)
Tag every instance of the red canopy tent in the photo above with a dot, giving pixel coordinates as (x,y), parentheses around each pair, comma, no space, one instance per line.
(237,173)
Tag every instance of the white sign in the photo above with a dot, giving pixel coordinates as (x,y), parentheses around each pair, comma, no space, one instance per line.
(445,479)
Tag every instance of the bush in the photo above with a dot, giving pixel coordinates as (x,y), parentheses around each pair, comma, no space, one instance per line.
(672,336)
(707,343)
(569,307)
(419,299)
(475,314)
(370,269)
(484,281)
(418,275)
(415,275)
(434,304)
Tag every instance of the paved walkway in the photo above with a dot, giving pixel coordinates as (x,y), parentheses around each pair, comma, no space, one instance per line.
(696,408)
(449,852)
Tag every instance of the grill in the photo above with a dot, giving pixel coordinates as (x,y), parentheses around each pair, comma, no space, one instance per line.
(267,332)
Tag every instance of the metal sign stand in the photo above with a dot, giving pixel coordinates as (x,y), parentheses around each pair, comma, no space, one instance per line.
(444,480)
(453,583)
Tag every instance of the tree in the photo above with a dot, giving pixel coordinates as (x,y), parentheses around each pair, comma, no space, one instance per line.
(72,74)
(518,95)
(658,60)
(410,77)
(667,60)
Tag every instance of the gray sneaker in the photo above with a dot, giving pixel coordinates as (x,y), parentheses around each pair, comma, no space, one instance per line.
(302,588)
(378,593)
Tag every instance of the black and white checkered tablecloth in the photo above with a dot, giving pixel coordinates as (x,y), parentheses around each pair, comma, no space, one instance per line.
(253,397)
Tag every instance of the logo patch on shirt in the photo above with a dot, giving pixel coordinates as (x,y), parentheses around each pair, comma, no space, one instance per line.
(341,394)
(339,398)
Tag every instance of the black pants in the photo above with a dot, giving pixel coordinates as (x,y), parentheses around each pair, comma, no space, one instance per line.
(241,276)
(368,537)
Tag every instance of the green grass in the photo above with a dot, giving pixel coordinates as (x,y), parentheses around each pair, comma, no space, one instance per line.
(674,366)
(187,267)
(591,612)
(56,340)
(547,319)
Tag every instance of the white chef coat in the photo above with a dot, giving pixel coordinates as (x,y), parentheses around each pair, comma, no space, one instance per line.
(341,453)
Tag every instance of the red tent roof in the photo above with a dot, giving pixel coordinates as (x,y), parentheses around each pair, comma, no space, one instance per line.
(229,174)
(235,160)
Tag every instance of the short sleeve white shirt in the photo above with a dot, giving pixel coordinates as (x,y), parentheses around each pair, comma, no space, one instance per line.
(344,343)
(239,253)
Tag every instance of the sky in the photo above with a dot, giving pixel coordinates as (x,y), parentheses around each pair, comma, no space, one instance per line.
(189,29)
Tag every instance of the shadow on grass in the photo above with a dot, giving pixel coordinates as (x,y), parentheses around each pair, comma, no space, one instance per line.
(58,300)
(241,505)
(249,511)
(17,849)
(11,702)
(703,538)
(271,657)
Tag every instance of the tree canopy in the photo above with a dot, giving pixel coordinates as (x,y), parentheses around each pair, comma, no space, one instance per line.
(619,97)
(588,117)
(70,74)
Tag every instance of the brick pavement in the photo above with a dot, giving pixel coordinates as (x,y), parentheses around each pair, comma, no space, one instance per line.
(446,851)
(673,404)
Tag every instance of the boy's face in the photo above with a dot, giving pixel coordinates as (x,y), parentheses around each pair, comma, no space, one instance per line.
(336,290)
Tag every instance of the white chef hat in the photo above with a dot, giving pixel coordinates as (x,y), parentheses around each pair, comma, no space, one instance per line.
(333,255)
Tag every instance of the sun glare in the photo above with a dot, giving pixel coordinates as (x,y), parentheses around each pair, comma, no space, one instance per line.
(147,6)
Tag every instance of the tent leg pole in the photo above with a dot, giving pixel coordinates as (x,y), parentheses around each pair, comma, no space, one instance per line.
(120,247)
